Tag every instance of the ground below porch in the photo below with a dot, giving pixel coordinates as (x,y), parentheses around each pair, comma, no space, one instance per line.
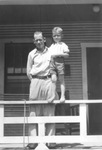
(61,146)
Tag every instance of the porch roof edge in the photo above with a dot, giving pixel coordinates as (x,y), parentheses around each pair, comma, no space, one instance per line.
(48,2)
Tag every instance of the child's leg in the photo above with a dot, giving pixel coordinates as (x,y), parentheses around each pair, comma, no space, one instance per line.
(62,85)
(59,61)
(53,70)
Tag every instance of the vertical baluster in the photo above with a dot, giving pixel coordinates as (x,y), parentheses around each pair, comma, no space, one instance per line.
(41,129)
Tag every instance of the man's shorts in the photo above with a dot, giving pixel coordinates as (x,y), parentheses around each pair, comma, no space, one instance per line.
(57,66)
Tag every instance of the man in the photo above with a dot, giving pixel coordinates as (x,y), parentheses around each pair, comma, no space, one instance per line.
(41,86)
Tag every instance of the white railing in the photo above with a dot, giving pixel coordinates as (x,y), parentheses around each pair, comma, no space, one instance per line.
(41,138)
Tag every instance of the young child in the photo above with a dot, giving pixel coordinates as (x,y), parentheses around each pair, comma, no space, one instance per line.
(59,50)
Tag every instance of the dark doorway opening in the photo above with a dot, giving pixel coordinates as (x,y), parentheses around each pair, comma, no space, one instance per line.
(94,74)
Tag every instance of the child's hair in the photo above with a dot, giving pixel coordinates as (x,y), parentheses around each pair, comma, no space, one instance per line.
(57,29)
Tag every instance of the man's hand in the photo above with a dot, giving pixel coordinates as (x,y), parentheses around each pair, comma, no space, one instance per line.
(50,100)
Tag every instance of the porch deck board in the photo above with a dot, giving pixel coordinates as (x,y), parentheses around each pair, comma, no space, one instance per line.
(70,146)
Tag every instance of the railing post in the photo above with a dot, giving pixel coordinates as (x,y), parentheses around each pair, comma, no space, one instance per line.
(41,129)
(83,120)
(1,121)
(41,133)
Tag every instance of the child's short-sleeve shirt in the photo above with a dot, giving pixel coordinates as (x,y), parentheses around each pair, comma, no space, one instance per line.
(59,48)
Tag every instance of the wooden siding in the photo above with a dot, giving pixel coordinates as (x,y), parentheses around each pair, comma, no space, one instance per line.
(74,35)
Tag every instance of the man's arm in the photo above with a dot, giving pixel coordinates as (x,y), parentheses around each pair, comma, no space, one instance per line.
(29,67)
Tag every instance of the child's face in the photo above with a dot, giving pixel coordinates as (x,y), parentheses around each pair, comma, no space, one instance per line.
(57,37)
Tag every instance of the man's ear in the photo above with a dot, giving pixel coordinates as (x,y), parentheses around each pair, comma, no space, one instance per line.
(62,35)
(33,41)
(44,40)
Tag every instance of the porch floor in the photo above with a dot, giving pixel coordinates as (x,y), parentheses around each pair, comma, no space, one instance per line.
(70,146)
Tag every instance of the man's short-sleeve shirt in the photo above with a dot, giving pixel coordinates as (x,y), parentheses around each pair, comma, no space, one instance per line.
(40,62)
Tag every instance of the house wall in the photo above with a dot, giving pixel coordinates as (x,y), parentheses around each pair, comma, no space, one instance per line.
(1,68)
(74,35)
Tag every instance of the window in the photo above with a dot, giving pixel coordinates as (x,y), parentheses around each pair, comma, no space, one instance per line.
(15,67)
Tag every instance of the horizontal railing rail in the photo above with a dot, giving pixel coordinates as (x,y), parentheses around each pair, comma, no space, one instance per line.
(55,102)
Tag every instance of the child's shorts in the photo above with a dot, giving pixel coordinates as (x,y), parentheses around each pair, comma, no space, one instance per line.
(57,66)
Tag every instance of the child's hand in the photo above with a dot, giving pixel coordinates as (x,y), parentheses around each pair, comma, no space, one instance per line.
(65,55)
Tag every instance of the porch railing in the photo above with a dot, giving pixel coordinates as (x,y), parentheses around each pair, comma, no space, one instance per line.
(41,121)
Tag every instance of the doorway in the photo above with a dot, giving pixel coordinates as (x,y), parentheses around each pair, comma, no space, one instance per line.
(94,76)
(92,83)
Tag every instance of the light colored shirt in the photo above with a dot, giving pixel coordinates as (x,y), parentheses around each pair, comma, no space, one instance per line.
(59,48)
(38,63)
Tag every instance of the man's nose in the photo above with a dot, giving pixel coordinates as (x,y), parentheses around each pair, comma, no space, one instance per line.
(38,41)
(56,36)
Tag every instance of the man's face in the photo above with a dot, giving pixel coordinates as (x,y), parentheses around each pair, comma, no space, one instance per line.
(39,41)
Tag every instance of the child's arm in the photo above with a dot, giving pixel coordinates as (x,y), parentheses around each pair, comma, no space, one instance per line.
(65,55)
(66,49)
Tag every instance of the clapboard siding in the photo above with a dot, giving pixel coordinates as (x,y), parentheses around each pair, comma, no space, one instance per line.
(74,35)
